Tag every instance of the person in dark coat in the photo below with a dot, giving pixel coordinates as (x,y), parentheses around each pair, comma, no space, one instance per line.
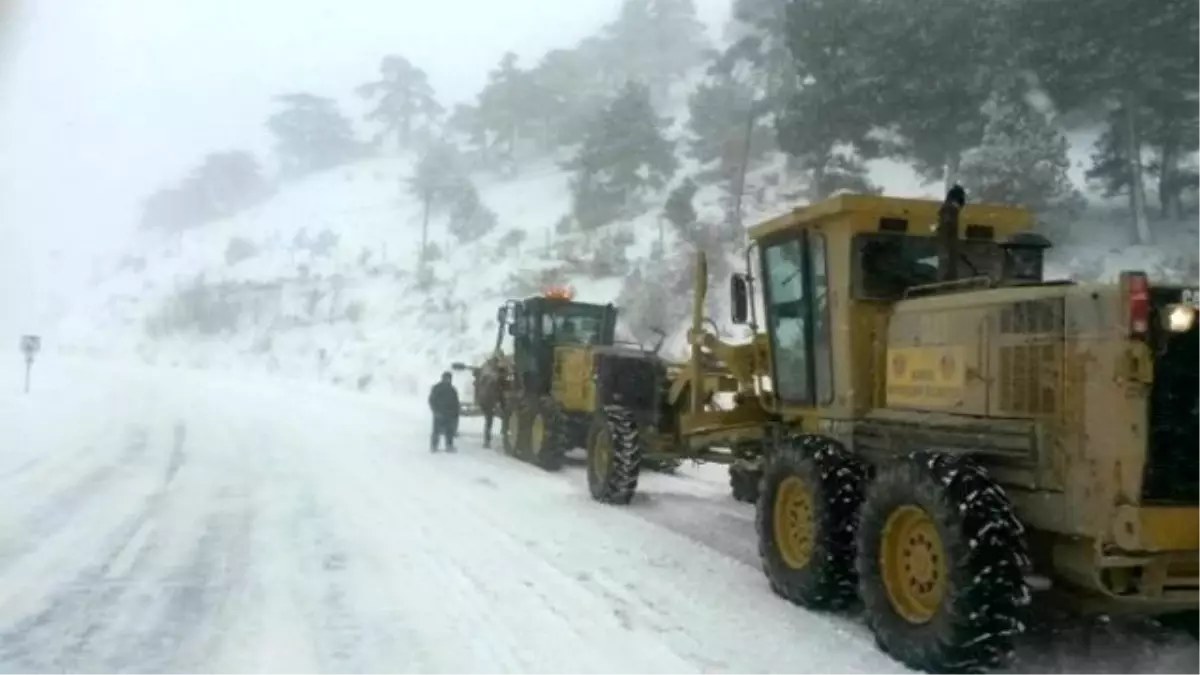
(443,403)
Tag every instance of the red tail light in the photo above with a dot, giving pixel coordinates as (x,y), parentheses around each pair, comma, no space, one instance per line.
(1138,289)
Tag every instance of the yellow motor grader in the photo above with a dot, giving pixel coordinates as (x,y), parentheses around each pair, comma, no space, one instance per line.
(939,426)
(564,375)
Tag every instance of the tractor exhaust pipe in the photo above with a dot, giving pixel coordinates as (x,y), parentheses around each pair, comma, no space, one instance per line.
(947,233)
(695,336)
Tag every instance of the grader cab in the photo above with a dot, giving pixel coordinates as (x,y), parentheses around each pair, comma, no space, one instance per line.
(940,425)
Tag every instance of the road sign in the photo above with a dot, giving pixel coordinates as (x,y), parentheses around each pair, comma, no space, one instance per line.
(30,346)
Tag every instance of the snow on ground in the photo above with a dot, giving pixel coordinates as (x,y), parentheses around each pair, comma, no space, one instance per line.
(168,520)
(185,523)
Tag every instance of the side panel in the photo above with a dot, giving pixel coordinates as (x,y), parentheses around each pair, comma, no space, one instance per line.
(572,384)
(936,361)
(1103,440)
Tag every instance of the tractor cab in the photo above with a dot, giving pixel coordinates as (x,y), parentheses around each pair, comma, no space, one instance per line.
(832,271)
(538,325)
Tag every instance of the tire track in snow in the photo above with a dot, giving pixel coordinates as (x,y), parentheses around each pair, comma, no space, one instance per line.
(199,596)
(60,508)
(72,615)
(115,605)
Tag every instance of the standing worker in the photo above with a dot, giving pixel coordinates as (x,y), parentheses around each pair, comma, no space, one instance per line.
(443,403)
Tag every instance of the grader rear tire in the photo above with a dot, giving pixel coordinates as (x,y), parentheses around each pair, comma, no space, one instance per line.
(941,562)
(806,513)
(614,456)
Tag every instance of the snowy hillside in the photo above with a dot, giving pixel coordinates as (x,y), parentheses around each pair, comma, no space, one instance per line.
(319,281)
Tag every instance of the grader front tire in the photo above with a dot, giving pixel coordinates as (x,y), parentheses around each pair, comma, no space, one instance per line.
(614,456)
(806,515)
(941,561)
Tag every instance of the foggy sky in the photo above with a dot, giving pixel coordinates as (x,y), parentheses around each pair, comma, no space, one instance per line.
(102,101)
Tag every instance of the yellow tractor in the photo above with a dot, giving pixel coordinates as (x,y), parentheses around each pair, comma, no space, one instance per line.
(568,376)
(940,426)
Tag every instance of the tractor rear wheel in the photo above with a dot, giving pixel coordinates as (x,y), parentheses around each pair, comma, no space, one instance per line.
(744,482)
(941,561)
(547,436)
(811,491)
(614,453)
(514,430)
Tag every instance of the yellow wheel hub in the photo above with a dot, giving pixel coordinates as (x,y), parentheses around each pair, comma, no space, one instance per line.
(537,435)
(912,560)
(795,525)
(601,454)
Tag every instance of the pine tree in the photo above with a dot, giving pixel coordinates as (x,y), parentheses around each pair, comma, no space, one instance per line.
(1142,67)
(624,154)
(406,99)
(228,182)
(680,40)
(823,125)
(1022,161)
(728,133)
(656,41)
(757,36)
(506,107)
(470,219)
(631,42)
(567,87)
(311,134)
(678,209)
(437,175)
(931,65)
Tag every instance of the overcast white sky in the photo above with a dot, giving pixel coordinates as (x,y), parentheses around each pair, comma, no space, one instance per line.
(103,100)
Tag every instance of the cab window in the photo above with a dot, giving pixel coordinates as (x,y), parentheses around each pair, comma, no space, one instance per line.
(799,311)
(887,265)
(572,327)
(787,317)
(822,330)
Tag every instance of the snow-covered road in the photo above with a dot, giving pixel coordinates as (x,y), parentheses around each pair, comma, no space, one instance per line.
(166,521)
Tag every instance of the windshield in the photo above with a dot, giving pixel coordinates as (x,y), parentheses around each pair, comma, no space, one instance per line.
(574,324)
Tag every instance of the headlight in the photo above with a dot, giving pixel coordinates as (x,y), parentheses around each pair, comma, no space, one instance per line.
(1180,318)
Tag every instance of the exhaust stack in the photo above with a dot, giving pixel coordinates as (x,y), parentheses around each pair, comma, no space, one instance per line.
(947,233)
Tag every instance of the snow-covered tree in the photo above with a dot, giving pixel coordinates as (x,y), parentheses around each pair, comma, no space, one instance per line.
(678,209)
(1022,161)
(567,88)
(438,174)
(507,107)
(625,153)
(823,124)
(311,134)
(727,132)
(656,41)
(229,181)
(1137,60)
(405,100)
(470,218)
